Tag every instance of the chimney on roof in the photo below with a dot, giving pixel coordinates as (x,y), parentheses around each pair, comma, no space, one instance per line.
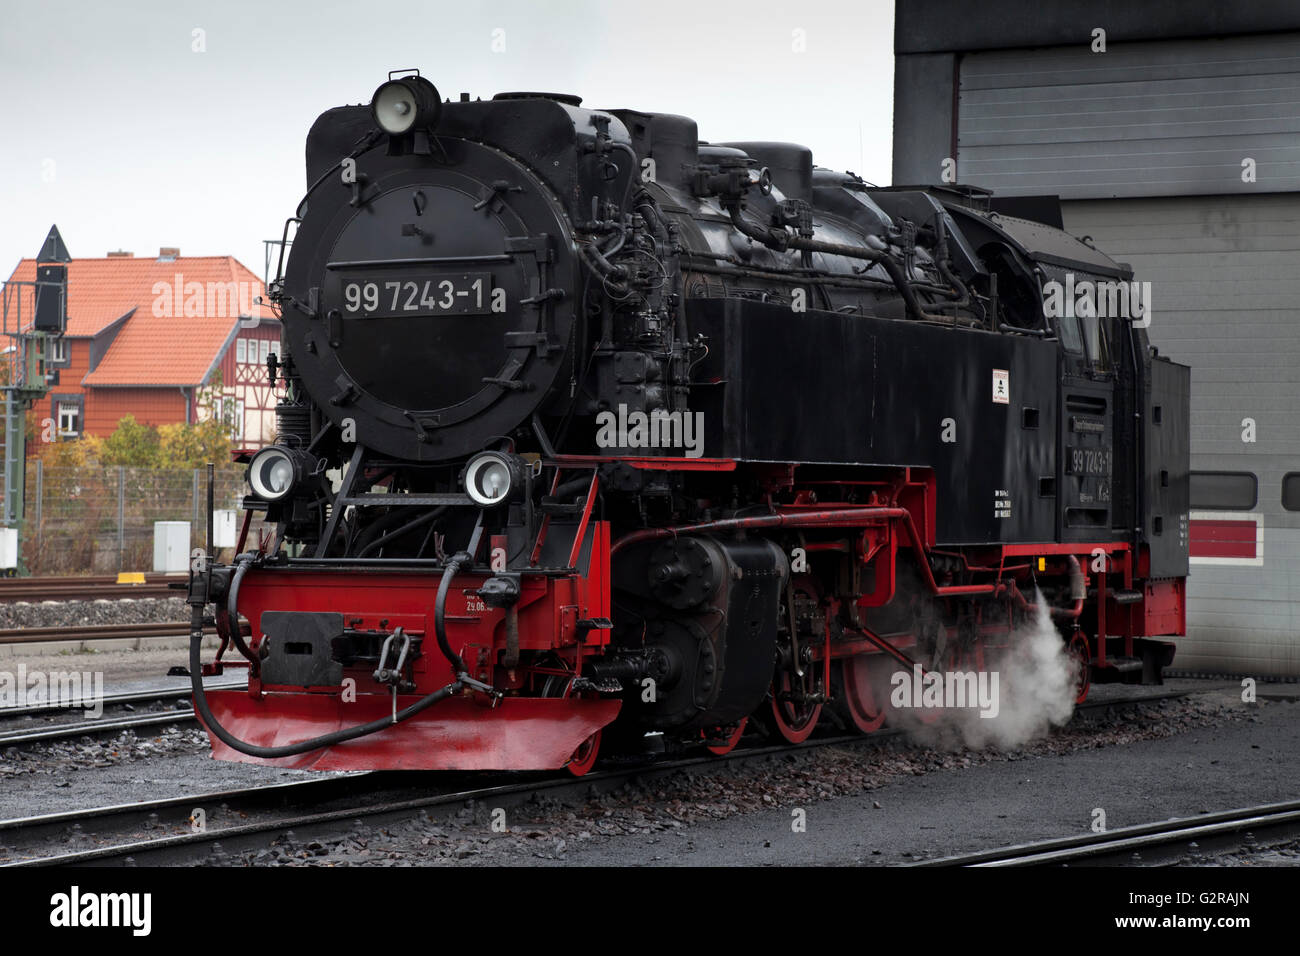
(168,253)
(121,254)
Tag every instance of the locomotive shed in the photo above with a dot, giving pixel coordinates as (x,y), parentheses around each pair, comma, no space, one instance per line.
(1142,148)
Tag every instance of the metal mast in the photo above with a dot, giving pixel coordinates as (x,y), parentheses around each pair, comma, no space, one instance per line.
(34,317)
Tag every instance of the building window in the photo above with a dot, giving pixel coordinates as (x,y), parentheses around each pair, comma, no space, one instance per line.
(58,352)
(241,350)
(68,416)
(266,350)
(1291,491)
(1223,490)
(237,428)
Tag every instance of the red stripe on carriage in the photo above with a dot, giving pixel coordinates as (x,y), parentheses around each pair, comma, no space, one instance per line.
(1223,539)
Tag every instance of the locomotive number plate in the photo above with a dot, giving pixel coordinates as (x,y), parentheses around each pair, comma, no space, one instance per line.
(378,297)
(1087,461)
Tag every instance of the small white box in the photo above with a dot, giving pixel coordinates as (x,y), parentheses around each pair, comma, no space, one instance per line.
(8,548)
(224,529)
(171,547)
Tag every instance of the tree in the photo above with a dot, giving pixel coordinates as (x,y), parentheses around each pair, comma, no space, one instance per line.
(131,444)
(84,491)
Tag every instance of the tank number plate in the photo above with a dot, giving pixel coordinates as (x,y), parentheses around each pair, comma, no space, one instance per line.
(468,293)
(1088,461)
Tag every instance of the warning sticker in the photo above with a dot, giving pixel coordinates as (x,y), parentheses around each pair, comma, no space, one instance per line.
(1001,504)
(1001,386)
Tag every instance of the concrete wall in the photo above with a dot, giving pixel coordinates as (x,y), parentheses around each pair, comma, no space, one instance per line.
(1225,288)
(1165,118)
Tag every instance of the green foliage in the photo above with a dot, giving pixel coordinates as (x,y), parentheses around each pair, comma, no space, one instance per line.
(135,445)
(131,444)
(144,473)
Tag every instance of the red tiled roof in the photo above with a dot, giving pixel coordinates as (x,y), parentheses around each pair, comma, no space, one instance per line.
(160,344)
(101,291)
(163,351)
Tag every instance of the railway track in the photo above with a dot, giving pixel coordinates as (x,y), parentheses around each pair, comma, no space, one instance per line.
(108,700)
(96,632)
(1149,844)
(162,832)
(84,588)
(182,713)
(112,726)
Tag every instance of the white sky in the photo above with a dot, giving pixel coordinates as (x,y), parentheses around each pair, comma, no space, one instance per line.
(155,145)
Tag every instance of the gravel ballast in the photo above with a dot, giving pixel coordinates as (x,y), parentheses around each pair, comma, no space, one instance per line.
(880,804)
(21,614)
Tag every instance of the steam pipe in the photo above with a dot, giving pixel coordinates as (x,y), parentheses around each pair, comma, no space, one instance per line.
(841,517)
(397,532)
(781,241)
(597,260)
(1078,592)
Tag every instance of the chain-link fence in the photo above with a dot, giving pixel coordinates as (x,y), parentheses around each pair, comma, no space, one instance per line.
(101,520)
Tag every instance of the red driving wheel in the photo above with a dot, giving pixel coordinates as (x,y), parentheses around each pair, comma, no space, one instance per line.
(860,704)
(584,758)
(722,749)
(793,720)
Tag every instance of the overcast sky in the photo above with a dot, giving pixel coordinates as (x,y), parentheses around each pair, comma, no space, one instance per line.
(117,130)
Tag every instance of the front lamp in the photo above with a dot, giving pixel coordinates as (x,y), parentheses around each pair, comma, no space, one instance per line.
(275,471)
(493,478)
(405,104)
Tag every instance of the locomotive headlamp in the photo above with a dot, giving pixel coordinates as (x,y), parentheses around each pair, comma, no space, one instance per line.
(493,477)
(405,104)
(275,471)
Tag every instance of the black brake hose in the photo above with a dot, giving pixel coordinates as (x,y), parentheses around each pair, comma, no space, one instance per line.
(304,746)
(242,563)
(453,567)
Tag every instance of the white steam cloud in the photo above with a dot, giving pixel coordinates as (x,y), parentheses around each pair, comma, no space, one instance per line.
(1035,690)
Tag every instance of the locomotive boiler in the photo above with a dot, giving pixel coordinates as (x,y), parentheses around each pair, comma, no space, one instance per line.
(592,434)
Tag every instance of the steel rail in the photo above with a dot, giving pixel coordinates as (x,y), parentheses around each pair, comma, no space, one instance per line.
(96,632)
(176,845)
(1182,835)
(83,588)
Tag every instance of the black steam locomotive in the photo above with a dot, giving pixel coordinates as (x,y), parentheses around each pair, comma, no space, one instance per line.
(594,431)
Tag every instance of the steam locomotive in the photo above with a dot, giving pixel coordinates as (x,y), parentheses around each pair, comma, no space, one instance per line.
(596,435)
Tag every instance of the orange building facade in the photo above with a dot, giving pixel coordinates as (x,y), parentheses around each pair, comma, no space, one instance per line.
(149,337)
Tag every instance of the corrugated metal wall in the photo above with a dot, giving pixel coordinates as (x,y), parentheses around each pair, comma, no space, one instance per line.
(1143,119)
(1225,274)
